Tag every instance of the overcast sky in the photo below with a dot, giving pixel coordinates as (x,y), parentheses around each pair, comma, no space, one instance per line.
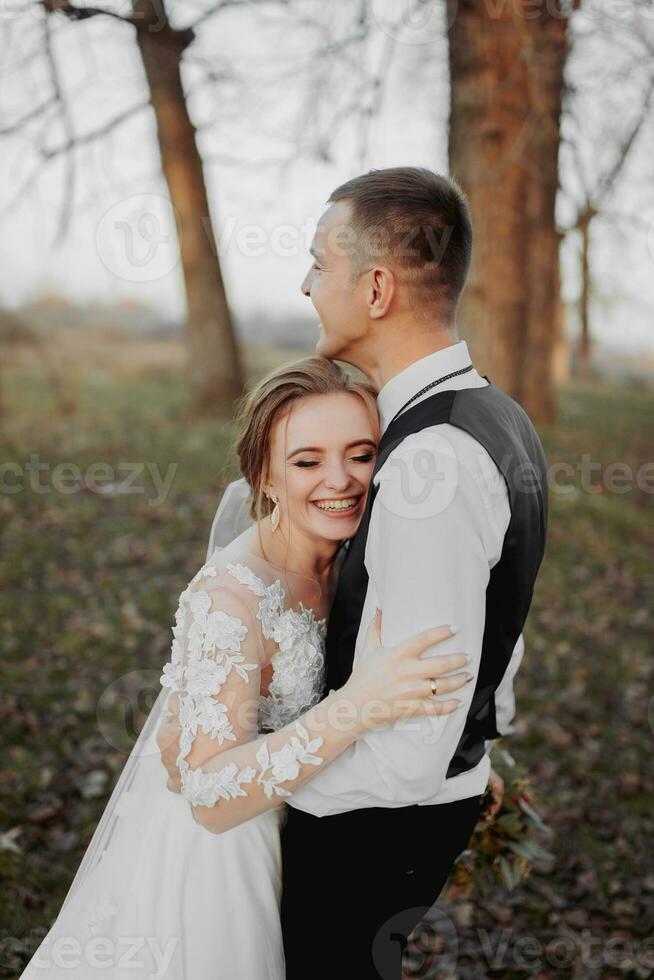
(274,150)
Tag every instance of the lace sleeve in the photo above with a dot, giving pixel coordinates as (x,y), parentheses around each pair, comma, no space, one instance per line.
(214,676)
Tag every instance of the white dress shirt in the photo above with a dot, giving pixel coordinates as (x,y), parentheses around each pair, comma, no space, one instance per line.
(436,530)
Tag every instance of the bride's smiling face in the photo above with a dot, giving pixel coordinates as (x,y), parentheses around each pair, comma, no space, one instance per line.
(322,455)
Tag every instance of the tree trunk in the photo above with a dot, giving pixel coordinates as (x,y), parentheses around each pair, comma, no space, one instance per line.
(488,118)
(545,51)
(506,66)
(585,349)
(216,373)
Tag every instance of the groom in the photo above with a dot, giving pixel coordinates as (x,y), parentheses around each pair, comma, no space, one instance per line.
(453,532)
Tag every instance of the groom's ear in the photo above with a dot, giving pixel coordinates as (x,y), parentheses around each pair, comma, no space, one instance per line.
(381,291)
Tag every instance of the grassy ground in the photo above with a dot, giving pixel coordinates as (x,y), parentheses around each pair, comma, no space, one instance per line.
(89,586)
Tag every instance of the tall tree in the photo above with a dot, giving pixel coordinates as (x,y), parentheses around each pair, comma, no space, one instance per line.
(507,79)
(216,372)
(594,187)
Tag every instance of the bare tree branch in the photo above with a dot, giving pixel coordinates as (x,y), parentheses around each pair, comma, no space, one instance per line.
(608,181)
(81,140)
(74,12)
(635,221)
(101,131)
(379,83)
(29,117)
(68,196)
(218,8)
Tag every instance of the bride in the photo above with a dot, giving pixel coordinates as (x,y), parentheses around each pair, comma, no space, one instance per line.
(186,885)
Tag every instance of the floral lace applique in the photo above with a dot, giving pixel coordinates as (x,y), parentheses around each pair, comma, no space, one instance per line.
(299,664)
(206,788)
(99,914)
(213,644)
(206,648)
(285,763)
(272,596)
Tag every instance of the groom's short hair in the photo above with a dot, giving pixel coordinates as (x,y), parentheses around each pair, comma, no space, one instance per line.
(416,220)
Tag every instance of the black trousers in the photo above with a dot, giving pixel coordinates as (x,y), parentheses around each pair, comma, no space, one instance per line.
(356,884)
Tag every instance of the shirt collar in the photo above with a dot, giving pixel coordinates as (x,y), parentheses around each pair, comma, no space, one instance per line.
(408,382)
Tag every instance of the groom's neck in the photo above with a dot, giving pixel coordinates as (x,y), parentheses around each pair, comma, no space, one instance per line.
(400,345)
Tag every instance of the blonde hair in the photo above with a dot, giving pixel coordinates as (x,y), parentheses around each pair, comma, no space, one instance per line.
(268,402)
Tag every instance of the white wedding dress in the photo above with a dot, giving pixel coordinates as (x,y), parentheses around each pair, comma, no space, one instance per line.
(157,895)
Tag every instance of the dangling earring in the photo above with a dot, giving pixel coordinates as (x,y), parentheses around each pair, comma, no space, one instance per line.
(274,517)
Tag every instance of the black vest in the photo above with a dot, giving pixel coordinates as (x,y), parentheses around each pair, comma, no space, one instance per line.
(507,434)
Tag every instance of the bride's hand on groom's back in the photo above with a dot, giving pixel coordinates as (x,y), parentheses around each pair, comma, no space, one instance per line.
(390,683)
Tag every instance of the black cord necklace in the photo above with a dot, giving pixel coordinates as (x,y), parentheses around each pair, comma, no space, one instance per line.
(427,387)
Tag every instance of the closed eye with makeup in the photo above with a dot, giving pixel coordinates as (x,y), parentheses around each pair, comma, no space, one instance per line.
(322,459)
